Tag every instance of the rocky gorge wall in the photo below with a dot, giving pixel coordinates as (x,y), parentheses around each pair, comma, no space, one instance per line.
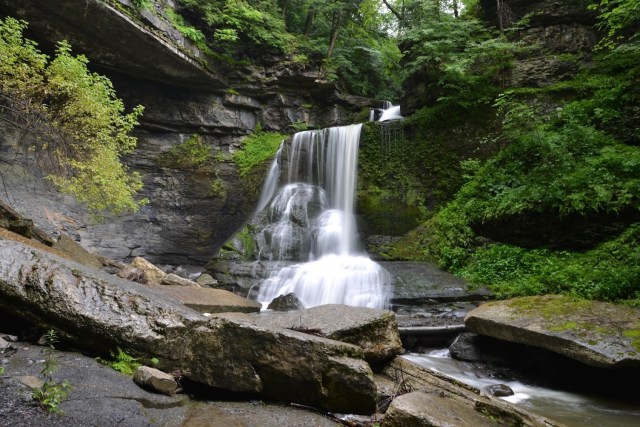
(193,210)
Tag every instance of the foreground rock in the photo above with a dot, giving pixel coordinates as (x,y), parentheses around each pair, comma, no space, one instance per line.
(99,312)
(99,395)
(373,330)
(437,400)
(155,380)
(595,333)
(418,409)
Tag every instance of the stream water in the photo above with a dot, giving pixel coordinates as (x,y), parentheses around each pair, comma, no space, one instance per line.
(571,409)
(312,222)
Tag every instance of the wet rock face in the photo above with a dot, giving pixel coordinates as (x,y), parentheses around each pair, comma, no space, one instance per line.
(562,32)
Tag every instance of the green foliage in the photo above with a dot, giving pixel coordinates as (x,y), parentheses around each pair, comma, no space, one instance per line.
(618,18)
(257,150)
(1,370)
(190,32)
(51,393)
(463,62)
(191,153)
(142,4)
(122,362)
(218,189)
(82,130)
(572,150)
(237,23)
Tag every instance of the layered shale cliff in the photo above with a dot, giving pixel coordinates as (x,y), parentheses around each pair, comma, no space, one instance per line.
(185,92)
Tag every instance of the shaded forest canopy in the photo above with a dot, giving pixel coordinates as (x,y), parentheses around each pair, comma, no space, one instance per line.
(527,187)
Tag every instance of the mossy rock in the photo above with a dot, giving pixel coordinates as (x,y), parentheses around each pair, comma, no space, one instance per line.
(595,333)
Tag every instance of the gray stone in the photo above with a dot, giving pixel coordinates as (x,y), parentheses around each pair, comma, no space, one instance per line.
(207,300)
(448,402)
(420,409)
(282,364)
(373,330)
(206,280)
(98,394)
(99,312)
(152,273)
(287,302)
(175,280)
(499,390)
(155,380)
(595,333)
(31,381)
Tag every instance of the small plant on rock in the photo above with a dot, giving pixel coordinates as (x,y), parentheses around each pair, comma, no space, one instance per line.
(51,393)
(122,362)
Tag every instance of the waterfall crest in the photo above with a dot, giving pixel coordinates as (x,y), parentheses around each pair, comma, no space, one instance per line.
(311,220)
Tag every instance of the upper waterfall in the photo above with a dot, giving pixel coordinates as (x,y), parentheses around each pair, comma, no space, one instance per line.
(312,218)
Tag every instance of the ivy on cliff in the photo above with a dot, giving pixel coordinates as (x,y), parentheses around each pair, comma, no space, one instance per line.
(78,127)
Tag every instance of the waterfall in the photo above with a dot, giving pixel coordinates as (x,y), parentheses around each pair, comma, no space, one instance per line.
(391,113)
(311,219)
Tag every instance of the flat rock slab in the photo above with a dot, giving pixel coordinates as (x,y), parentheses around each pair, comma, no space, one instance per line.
(419,282)
(207,300)
(595,333)
(99,395)
(373,330)
(420,409)
(251,414)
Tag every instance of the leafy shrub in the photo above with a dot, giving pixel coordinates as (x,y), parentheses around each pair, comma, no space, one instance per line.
(79,127)
(191,153)
(257,149)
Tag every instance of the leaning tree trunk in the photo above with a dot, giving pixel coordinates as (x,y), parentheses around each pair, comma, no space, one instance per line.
(335,28)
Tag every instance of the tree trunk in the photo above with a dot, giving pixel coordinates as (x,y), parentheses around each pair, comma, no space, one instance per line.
(335,28)
(308,26)
(455,9)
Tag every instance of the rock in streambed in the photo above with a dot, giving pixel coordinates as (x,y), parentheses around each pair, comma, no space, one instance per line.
(595,333)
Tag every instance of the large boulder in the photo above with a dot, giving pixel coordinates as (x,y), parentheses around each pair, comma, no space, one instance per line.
(444,401)
(281,364)
(595,333)
(100,312)
(374,330)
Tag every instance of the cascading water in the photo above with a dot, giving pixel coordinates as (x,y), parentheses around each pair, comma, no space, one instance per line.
(312,219)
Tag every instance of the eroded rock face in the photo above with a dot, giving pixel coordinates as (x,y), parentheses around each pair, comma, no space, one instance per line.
(595,333)
(184,92)
(99,312)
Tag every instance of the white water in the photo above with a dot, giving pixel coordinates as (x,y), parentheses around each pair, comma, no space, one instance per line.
(391,113)
(571,409)
(315,210)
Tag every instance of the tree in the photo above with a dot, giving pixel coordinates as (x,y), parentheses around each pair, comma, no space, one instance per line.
(79,129)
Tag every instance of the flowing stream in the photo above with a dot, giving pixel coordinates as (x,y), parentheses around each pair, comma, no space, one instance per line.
(571,409)
(312,222)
